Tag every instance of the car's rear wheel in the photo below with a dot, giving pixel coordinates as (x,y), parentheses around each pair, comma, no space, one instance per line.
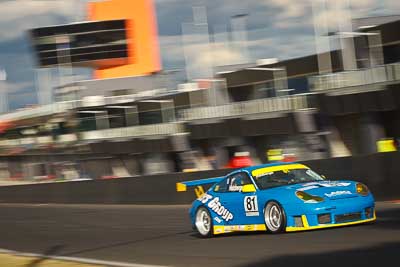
(203,223)
(274,217)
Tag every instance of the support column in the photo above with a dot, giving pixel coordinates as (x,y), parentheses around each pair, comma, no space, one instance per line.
(102,120)
(375,49)
(370,131)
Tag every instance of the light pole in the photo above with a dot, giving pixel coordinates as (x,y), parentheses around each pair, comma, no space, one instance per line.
(3,91)
(196,46)
(239,35)
(322,41)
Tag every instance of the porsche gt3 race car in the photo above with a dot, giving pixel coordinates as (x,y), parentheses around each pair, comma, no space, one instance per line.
(277,198)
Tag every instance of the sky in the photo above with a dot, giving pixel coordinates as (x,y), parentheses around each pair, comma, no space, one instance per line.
(275,29)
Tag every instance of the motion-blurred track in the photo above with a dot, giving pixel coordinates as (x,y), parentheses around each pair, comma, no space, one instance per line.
(162,235)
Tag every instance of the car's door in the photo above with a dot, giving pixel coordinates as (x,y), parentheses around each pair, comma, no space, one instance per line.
(244,206)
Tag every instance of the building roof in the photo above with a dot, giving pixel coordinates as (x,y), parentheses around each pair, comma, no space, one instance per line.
(296,67)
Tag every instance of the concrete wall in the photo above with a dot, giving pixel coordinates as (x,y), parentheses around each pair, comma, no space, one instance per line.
(380,172)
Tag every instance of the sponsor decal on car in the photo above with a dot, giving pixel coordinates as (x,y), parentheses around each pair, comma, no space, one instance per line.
(215,205)
(308,188)
(338,193)
(251,206)
(235,188)
(324,184)
(218,220)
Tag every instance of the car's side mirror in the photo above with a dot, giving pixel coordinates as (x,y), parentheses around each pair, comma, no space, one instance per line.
(248,188)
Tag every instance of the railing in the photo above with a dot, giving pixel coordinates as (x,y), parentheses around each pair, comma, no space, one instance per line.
(134,131)
(39,111)
(59,107)
(275,104)
(372,76)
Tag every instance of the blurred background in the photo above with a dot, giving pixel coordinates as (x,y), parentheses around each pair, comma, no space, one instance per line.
(122,88)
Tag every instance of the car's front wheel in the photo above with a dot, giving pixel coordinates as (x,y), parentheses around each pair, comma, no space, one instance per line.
(203,223)
(275,218)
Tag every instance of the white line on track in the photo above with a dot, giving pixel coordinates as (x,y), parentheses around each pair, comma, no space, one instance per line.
(77,259)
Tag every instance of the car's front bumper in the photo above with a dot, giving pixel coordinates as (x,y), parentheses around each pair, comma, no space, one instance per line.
(335,213)
(306,226)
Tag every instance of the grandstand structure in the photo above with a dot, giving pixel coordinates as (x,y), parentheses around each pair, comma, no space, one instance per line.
(129,120)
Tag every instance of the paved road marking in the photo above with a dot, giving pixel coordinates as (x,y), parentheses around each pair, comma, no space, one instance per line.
(76,259)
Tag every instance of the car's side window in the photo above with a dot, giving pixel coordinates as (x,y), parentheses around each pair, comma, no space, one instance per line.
(233,183)
(237,181)
(222,186)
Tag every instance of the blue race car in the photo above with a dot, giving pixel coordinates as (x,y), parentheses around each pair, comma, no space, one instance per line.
(277,198)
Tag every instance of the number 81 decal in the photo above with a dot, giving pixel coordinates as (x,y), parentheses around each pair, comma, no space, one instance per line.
(251,206)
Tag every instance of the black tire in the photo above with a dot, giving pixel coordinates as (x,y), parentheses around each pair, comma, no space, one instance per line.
(274,217)
(204,222)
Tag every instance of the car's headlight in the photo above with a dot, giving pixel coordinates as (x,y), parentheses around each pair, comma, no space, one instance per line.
(362,189)
(308,198)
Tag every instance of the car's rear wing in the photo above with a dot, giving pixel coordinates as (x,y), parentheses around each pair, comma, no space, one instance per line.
(182,186)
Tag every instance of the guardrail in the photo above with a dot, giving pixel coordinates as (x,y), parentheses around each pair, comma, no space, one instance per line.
(59,107)
(39,111)
(134,131)
(275,104)
(371,76)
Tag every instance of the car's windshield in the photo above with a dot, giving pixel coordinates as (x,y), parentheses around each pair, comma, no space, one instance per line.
(285,177)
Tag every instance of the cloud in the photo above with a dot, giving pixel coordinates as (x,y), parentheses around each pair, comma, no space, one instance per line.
(20,94)
(276,28)
(393,5)
(15,87)
(21,15)
(218,54)
(172,50)
(288,9)
(261,45)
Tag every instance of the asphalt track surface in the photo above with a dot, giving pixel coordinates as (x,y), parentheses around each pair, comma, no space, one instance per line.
(161,235)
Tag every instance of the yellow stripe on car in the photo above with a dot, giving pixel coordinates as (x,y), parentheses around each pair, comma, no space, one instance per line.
(262,171)
(307,227)
(222,229)
(305,221)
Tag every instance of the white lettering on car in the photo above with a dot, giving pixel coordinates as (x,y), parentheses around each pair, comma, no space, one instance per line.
(307,188)
(218,220)
(332,184)
(235,188)
(323,184)
(204,198)
(215,205)
(338,193)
